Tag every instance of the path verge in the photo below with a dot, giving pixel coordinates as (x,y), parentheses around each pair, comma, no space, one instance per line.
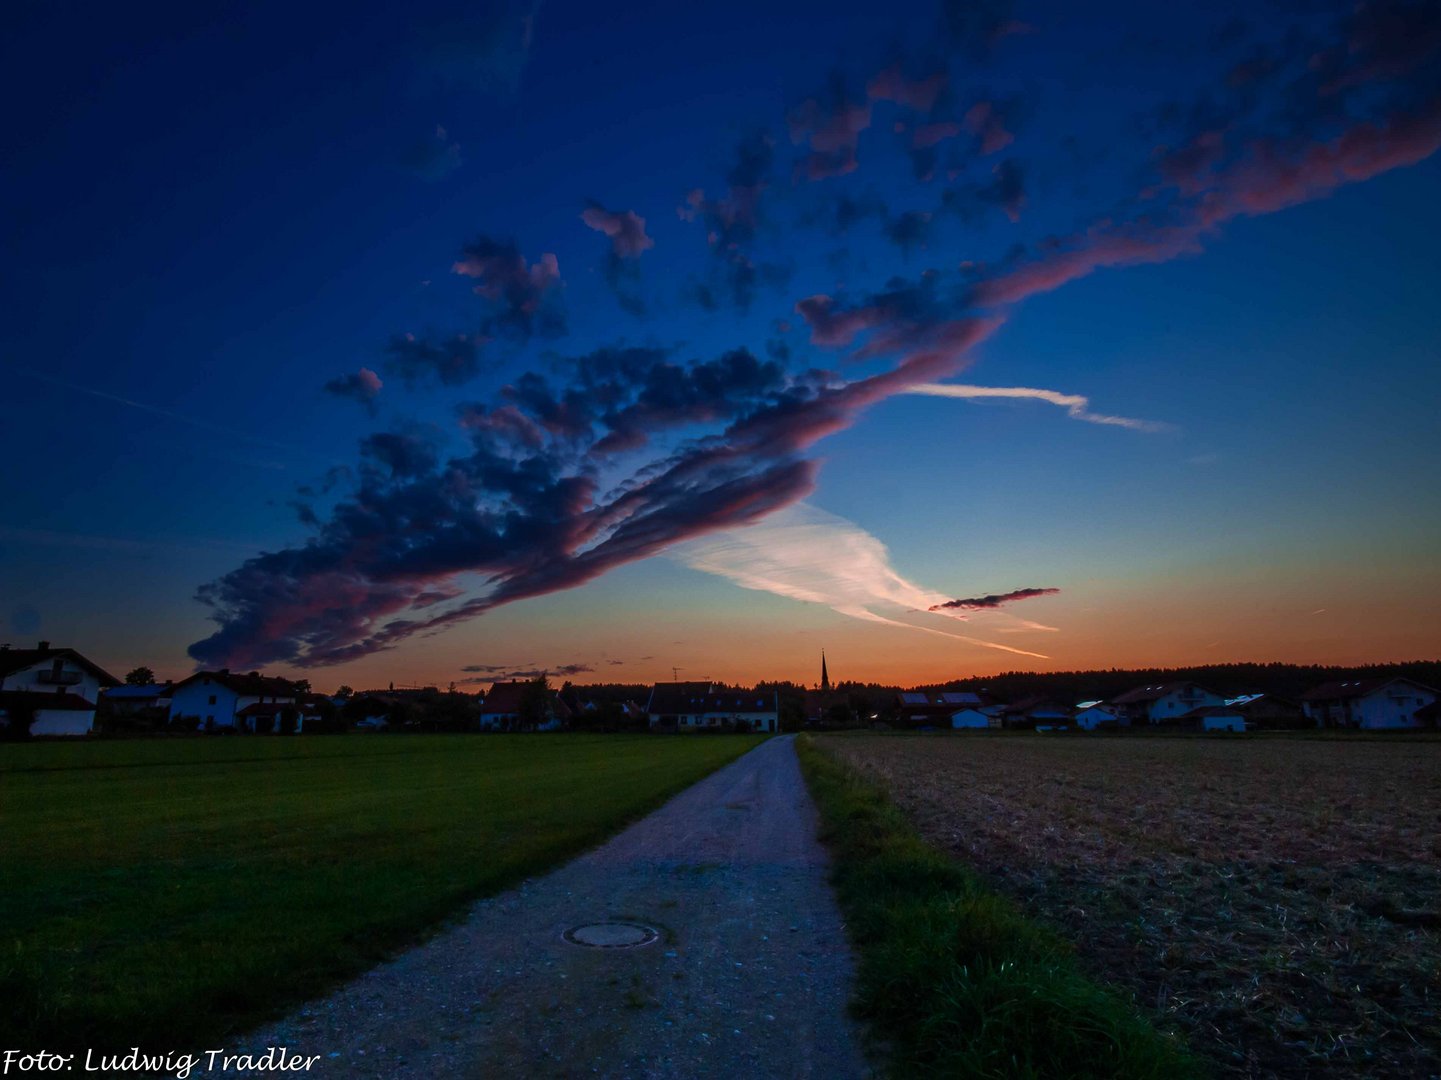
(951,973)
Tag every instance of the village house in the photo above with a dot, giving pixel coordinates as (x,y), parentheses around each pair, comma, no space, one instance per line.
(1164,703)
(54,691)
(694,706)
(1092,715)
(941,708)
(504,709)
(1372,704)
(1264,712)
(971,719)
(1215,718)
(216,700)
(1033,712)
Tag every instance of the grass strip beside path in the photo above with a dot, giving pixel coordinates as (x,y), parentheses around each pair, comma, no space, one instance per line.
(163,893)
(952,975)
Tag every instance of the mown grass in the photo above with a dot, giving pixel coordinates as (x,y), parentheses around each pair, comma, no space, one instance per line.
(952,975)
(164,893)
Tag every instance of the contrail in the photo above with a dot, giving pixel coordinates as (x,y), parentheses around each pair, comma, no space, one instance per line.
(1078,406)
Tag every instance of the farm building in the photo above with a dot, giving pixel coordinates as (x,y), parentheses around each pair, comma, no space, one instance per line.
(1164,703)
(56,689)
(1373,704)
(214,700)
(692,706)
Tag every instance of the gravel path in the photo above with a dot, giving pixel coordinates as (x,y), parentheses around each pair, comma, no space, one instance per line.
(749,977)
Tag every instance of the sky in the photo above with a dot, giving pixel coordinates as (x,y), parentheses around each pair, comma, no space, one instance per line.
(447,342)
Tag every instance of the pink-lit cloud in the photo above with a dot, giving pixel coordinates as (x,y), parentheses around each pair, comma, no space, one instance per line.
(625,228)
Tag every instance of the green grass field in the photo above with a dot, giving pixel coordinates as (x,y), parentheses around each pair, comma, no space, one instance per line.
(165,892)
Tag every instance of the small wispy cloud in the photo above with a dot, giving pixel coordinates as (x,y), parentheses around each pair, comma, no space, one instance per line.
(807,554)
(1077,406)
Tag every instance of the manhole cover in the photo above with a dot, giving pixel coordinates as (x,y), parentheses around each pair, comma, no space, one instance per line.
(610,935)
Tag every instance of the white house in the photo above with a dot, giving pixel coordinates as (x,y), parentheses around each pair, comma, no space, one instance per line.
(48,671)
(1217,718)
(1373,704)
(53,690)
(693,706)
(214,700)
(969,718)
(1095,714)
(1163,703)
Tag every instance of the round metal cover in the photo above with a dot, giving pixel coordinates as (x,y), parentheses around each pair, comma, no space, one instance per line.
(610,935)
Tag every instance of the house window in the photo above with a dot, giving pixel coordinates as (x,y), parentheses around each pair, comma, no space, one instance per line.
(212,699)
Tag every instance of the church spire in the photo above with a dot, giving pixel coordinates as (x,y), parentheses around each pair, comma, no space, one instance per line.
(825,678)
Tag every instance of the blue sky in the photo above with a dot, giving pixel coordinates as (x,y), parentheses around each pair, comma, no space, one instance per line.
(220,215)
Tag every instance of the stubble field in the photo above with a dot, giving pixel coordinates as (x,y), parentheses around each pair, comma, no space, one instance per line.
(1277,900)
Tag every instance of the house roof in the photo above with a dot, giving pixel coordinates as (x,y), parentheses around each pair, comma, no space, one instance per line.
(38,699)
(1350,689)
(252,684)
(504,698)
(1036,703)
(1153,693)
(956,699)
(1246,701)
(689,697)
(138,693)
(13,660)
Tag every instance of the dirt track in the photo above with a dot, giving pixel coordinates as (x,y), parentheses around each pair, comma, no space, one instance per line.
(749,976)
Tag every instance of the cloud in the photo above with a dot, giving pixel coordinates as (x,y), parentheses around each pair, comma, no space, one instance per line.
(504,672)
(806,554)
(986,120)
(559,479)
(522,296)
(831,125)
(362,386)
(892,85)
(625,228)
(992,601)
(534,520)
(1076,405)
(731,222)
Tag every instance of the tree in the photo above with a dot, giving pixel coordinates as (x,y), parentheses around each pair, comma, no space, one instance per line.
(345,691)
(141,676)
(535,703)
(301,686)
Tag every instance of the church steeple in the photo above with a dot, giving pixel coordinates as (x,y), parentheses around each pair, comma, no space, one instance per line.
(825,678)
